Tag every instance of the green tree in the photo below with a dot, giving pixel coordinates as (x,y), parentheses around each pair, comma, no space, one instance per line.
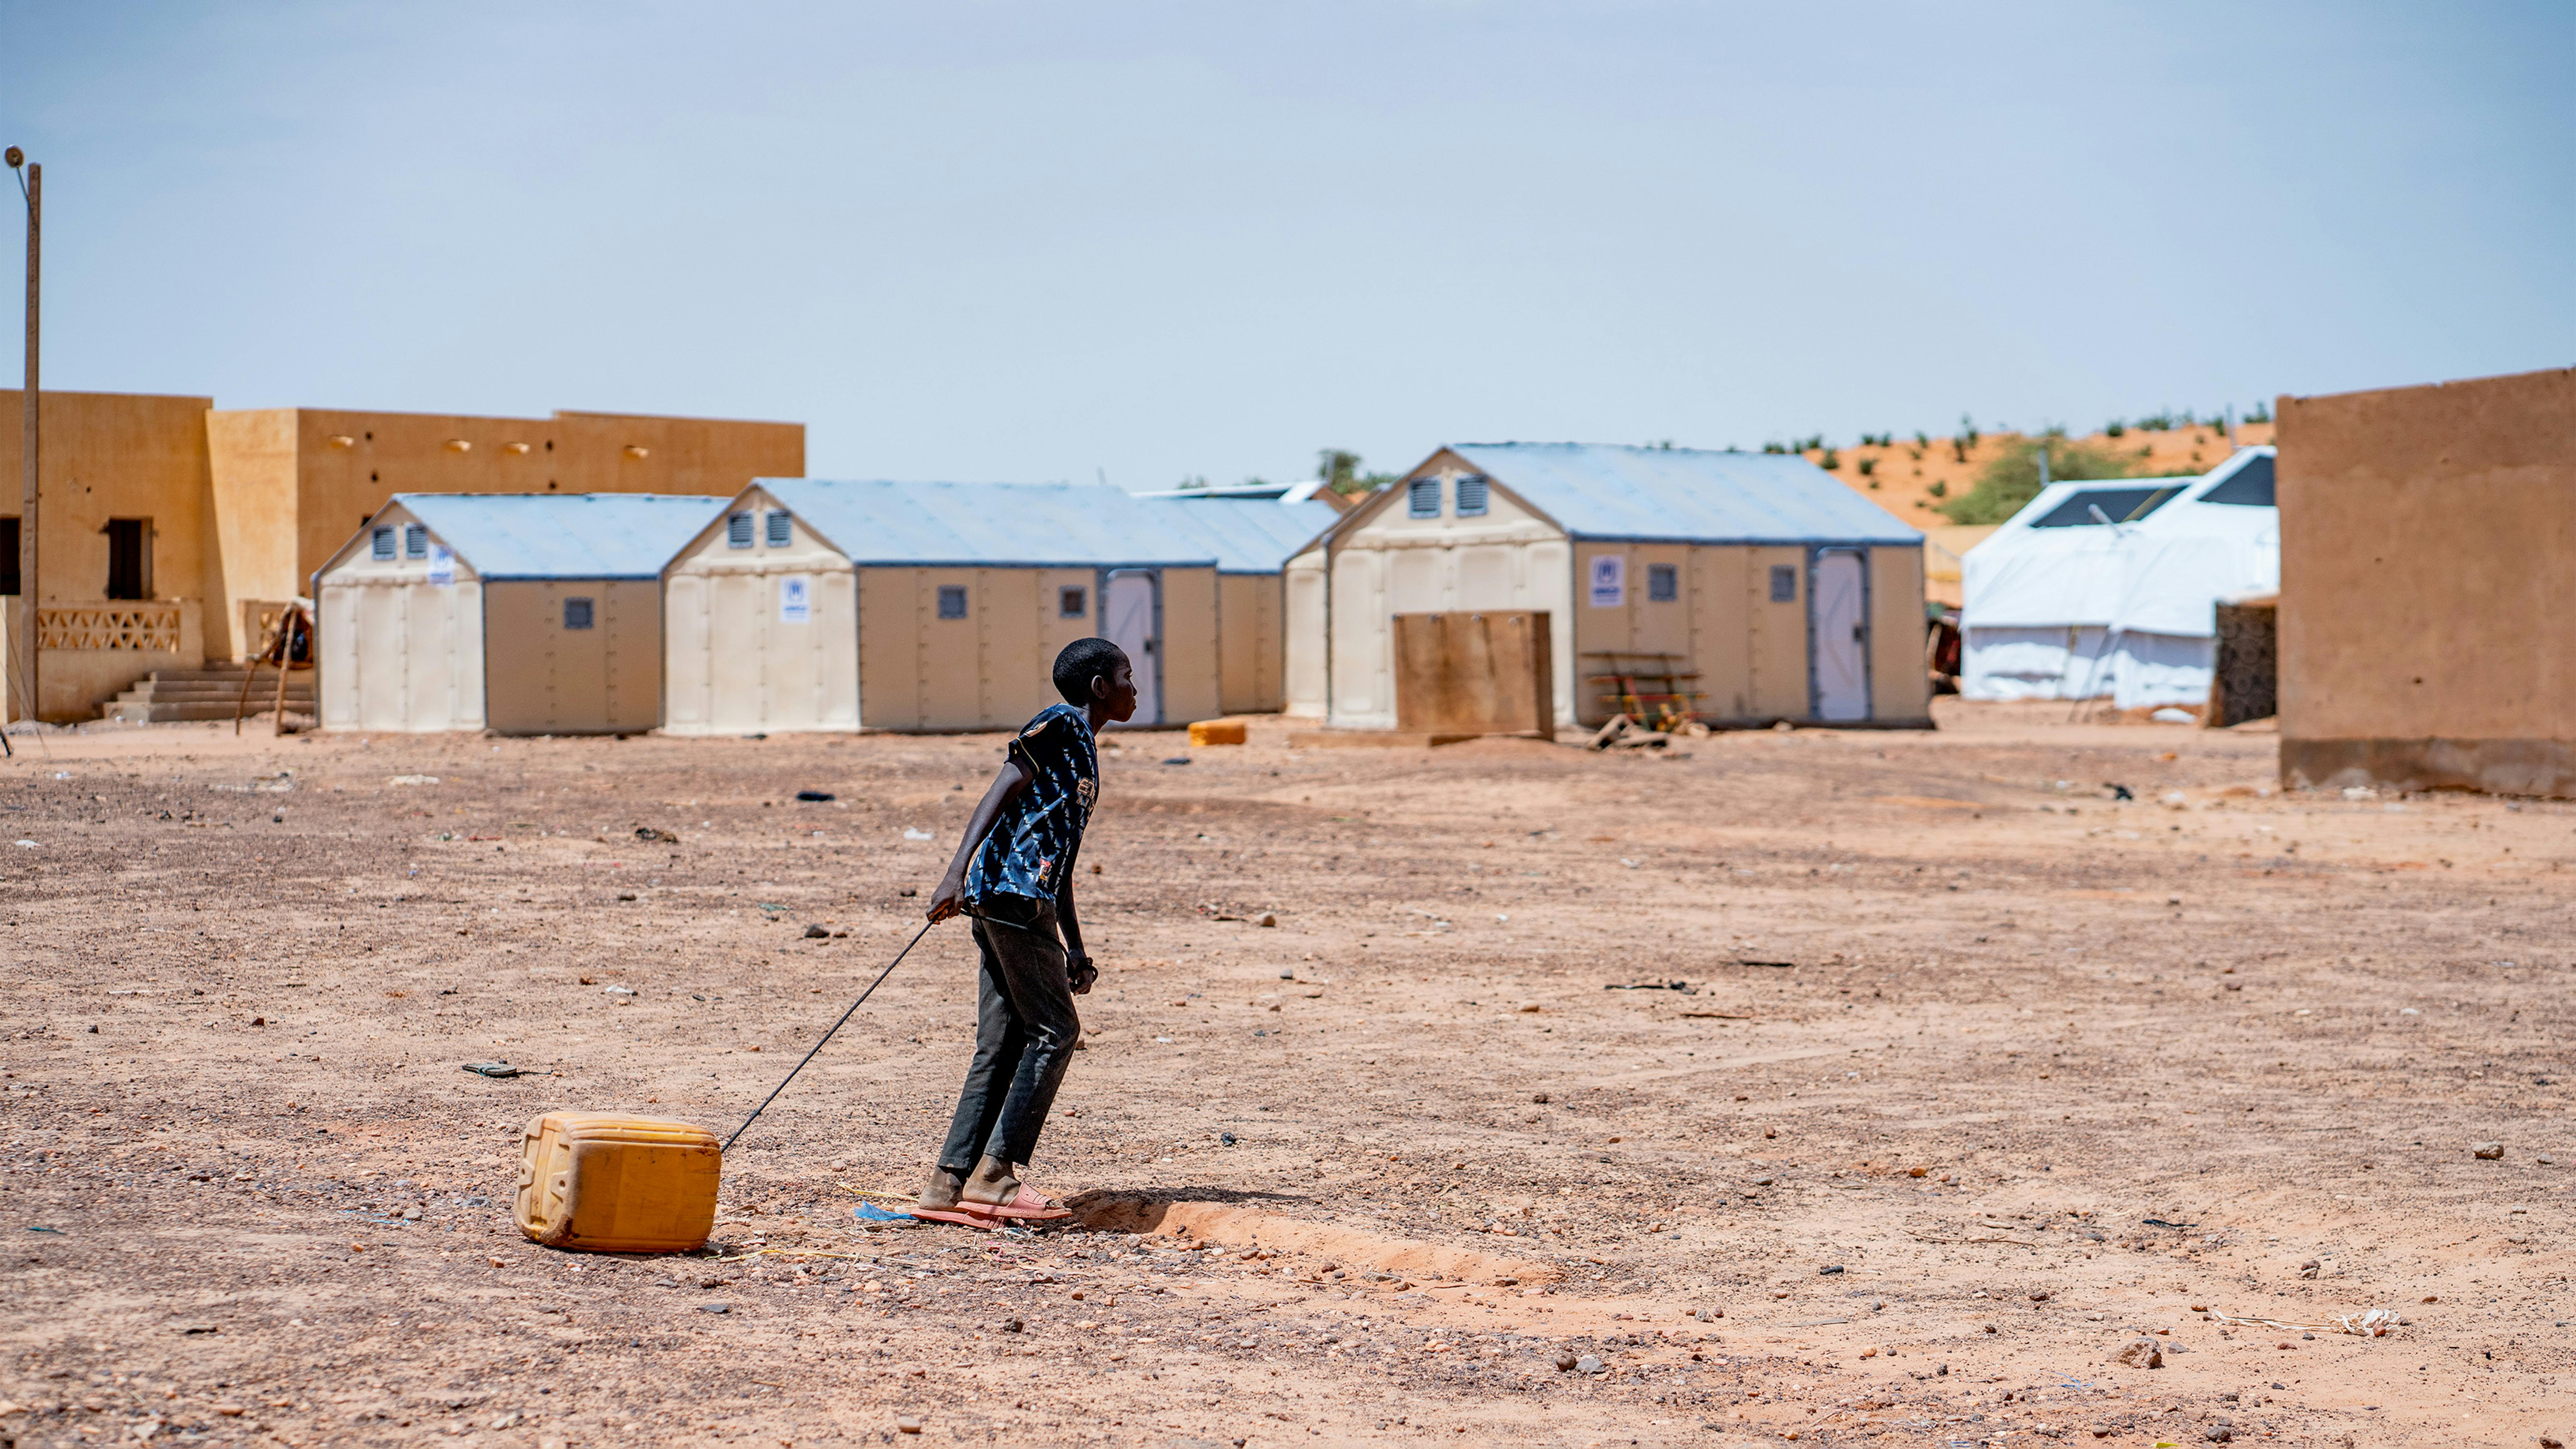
(2007,483)
(1340,470)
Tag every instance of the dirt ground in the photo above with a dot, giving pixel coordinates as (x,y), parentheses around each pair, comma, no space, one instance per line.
(1902,472)
(1974,1075)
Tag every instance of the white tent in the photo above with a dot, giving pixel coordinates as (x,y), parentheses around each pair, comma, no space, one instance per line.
(2110,587)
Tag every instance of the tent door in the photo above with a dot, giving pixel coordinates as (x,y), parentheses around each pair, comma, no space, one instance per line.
(1838,635)
(1131,617)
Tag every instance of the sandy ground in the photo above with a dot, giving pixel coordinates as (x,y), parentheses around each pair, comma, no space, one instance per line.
(1902,473)
(1371,1173)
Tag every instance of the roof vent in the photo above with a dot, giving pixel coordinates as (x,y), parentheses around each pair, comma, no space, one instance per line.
(1474,492)
(779,534)
(738,530)
(1422,497)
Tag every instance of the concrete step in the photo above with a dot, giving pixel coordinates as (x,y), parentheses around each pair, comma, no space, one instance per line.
(215,689)
(151,713)
(227,672)
(214,692)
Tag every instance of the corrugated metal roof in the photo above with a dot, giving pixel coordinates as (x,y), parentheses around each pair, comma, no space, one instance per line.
(563,535)
(1685,495)
(1248,535)
(1022,525)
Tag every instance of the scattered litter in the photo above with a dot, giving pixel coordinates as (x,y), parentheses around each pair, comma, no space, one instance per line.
(413,780)
(2119,792)
(814,797)
(1178,760)
(873,1216)
(2488,1150)
(818,932)
(1774,965)
(27,844)
(2374,1323)
(911,834)
(1624,733)
(1680,986)
(651,836)
(1719,1015)
(2174,716)
(493,1069)
(2161,1223)
(48,1230)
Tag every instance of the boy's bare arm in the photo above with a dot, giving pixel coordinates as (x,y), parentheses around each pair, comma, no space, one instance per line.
(1078,964)
(1014,777)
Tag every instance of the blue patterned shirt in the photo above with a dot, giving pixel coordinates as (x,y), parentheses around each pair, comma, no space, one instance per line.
(1040,831)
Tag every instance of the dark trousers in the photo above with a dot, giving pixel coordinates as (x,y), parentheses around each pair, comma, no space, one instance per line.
(1025,1028)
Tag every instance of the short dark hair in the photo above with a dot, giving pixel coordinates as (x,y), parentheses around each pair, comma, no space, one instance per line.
(1083,661)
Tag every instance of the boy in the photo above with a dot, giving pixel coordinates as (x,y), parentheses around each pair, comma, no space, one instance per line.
(1014,874)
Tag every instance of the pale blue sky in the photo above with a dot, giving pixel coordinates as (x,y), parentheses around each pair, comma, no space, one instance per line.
(1031,241)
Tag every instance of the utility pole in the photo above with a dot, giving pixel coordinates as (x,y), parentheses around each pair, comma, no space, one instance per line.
(32,184)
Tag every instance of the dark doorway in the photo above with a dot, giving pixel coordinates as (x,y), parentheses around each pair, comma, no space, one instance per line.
(129,558)
(8,556)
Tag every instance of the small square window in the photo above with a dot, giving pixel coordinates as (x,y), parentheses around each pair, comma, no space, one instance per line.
(1663,583)
(384,543)
(952,601)
(577,613)
(1072,602)
(1422,498)
(738,530)
(1474,493)
(415,541)
(1784,583)
(778,528)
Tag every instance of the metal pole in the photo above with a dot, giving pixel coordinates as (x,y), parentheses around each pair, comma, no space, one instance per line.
(2043,463)
(29,444)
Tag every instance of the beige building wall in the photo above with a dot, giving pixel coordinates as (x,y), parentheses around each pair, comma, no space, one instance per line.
(1189,646)
(1307,621)
(542,678)
(733,663)
(1778,680)
(1900,681)
(1251,650)
(1390,563)
(2428,556)
(111,456)
(292,484)
(1749,651)
(990,670)
(399,653)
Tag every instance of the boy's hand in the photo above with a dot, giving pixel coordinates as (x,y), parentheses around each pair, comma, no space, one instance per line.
(1083,974)
(945,902)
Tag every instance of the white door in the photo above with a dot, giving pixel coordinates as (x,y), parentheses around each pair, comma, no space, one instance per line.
(1839,645)
(1127,620)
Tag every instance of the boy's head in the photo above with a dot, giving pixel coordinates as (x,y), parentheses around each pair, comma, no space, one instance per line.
(1093,671)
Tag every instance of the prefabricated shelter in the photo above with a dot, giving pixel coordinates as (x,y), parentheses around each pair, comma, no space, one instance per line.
(1758,586)
(1253,532)
(815,605)
(520,613)
(2428,560)
(2110,587)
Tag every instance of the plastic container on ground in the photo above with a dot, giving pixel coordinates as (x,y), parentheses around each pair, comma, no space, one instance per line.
(605,1183)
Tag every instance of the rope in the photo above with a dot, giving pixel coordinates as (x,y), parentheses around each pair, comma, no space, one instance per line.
(827,1036)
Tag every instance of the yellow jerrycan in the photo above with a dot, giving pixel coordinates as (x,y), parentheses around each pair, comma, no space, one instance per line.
(603,1183)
